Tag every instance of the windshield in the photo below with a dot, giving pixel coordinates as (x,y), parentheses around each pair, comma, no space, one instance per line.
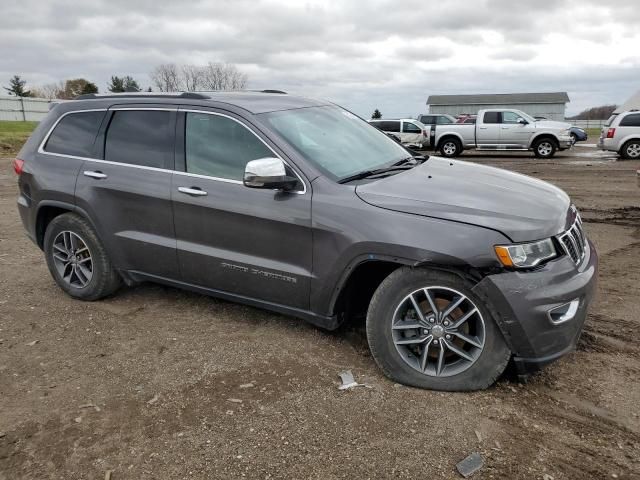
(334,140)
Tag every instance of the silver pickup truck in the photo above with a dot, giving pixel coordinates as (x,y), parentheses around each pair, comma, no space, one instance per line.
(502,129)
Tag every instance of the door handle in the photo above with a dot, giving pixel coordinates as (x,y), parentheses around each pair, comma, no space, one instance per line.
(506,128)
(483,128)
(195,191)
(96,175)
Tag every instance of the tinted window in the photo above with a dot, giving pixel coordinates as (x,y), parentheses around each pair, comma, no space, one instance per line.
(443,120)
(611,118)
(509,117)
(411,128)
(220,147)
(427,119)
(75,134)
(390,126)
(469,120)
(492,117)
(140,138)
(631,120)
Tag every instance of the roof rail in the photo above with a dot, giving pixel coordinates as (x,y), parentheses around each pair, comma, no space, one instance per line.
(192,95)
(270,90)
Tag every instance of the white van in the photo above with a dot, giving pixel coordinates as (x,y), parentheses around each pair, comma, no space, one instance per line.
(407,131)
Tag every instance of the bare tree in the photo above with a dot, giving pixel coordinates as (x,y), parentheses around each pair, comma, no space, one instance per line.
(213,76)
(166,77)
(50,91)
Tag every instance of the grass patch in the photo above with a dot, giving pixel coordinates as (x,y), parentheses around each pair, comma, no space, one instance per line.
(594,133)
(13,135)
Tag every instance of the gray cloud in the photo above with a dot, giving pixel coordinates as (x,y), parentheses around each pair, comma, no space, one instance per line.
(380,53)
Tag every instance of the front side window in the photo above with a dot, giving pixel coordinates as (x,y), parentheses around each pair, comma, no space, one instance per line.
(75,134)
(220,147)
(411,128)
(140,137)
(334,140)
(631,120)
(391,126)
(510,117)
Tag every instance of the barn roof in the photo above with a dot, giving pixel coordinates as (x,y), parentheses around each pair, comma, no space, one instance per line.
(498,98)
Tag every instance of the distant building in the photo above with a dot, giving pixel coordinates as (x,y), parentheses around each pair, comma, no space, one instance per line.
(632,104)
(549,105)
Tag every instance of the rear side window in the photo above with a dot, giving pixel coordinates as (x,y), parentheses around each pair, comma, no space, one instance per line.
(491,117)
(391,126)
(75,134)
(220,147)
(427,119)
(411,128)
(443,120)
(631,120)
(142,138)
(611,119)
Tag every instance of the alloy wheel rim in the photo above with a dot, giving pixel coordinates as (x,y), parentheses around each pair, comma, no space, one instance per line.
(438,331)
(633,150)
(449,148)
(72,259)
(544,148)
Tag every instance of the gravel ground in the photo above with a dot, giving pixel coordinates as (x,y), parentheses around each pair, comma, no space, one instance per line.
(157,383)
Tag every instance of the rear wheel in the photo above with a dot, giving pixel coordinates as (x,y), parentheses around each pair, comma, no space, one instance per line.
(77,260)
(427,329)
(631,150)
(450,147)
(544,148)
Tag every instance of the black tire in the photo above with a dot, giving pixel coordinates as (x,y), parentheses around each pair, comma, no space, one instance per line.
(489,363)
(544,147)
(574,138)
(450,147)
(104,279)
(631,150)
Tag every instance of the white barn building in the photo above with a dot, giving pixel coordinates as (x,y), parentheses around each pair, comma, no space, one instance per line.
(550,105)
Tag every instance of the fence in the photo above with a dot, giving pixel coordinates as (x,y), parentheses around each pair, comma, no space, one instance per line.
(23,108)
(587,123)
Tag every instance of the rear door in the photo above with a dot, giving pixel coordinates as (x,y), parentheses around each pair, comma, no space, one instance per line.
(250,242)
(127,190)
(488,130)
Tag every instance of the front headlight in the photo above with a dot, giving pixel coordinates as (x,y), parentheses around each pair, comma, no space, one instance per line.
(526,255)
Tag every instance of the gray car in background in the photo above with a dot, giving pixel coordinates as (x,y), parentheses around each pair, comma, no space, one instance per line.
(300,207)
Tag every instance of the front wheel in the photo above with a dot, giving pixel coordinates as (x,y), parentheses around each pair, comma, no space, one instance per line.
(427,329)
(631,150)
(544,148)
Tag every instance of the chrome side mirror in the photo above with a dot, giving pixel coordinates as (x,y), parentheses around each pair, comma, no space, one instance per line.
(522,121)
(269,173)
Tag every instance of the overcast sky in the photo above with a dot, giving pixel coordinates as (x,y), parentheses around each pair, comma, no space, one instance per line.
(362,54)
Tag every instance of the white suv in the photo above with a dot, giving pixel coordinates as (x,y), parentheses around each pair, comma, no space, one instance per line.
(621,134)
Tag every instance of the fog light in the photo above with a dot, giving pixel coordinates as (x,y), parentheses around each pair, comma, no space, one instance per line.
(564,312)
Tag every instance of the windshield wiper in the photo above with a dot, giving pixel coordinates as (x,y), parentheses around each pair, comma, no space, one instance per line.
(378,171)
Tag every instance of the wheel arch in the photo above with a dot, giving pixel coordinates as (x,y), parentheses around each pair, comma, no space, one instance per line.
(624,141)
(450,135)
(50,209)
(543,135)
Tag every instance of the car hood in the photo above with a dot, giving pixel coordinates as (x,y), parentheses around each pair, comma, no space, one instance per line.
(550,124)
(521,207)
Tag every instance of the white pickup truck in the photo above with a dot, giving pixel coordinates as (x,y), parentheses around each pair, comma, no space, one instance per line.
(502,129)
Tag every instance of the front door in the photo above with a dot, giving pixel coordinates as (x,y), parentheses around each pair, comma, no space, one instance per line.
(250,242)
(513,133)
(127,191)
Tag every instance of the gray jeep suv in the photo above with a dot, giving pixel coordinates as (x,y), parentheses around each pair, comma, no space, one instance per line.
(300,207)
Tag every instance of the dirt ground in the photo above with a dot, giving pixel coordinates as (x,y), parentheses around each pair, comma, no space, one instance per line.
(157,383)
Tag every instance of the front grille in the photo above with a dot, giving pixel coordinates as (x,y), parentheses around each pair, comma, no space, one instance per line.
(574,242)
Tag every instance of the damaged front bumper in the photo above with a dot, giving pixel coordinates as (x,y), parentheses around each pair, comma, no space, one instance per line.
(541,312)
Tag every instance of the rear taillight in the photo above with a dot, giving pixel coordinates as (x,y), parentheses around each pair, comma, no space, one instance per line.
(611,132)
(18,166)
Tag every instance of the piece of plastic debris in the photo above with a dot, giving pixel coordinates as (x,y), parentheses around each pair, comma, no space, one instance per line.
(78,419)
(348,381)
(31,344)
(546,476)
(234,400)
(247,385)
(107,475)
(478,435)
(470,465)
(153,400)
